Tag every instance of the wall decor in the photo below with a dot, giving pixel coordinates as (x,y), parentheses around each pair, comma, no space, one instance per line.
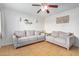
(63,19)
(27,22)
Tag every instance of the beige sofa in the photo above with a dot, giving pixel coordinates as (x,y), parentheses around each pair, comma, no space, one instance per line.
(21,38)
(61,38)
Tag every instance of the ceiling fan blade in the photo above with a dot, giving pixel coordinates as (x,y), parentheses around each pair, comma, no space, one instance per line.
(53,6)
(38,10)
(36,5)
(47,11)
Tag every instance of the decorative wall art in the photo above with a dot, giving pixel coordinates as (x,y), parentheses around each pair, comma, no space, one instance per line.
(63,19)
(26,21)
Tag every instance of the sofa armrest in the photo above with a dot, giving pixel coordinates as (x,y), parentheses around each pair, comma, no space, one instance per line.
(70,41)
(14,36)
(71,38)
(15,39)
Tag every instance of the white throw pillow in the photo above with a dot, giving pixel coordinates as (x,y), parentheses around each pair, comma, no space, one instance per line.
(55,34)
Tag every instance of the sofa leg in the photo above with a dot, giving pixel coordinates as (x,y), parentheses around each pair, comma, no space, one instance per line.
(67,48)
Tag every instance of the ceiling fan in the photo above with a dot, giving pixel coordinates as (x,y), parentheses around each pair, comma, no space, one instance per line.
(45,7)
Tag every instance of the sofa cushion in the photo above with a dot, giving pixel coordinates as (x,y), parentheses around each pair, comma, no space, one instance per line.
(60,40)
(19,34)
(24,39)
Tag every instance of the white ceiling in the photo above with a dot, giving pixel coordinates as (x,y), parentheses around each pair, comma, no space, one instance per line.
(32,10)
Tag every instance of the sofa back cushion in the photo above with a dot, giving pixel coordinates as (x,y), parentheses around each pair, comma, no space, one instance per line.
(20,33)
(55,34)
(37,32)
(59,34)
(63,34)
(30,33)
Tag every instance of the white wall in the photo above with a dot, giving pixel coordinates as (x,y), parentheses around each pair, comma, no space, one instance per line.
(0,27)
(72,26)
(12,23)
(0,21)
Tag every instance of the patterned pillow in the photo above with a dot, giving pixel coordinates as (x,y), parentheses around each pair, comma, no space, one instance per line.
(55,34)
(63,34)
(30,33)
(19,34)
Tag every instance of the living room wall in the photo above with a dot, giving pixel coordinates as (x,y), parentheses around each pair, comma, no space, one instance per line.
(72,26)
(12,23)
(0,21)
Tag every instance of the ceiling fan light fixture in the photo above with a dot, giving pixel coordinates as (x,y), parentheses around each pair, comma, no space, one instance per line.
(43,8)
